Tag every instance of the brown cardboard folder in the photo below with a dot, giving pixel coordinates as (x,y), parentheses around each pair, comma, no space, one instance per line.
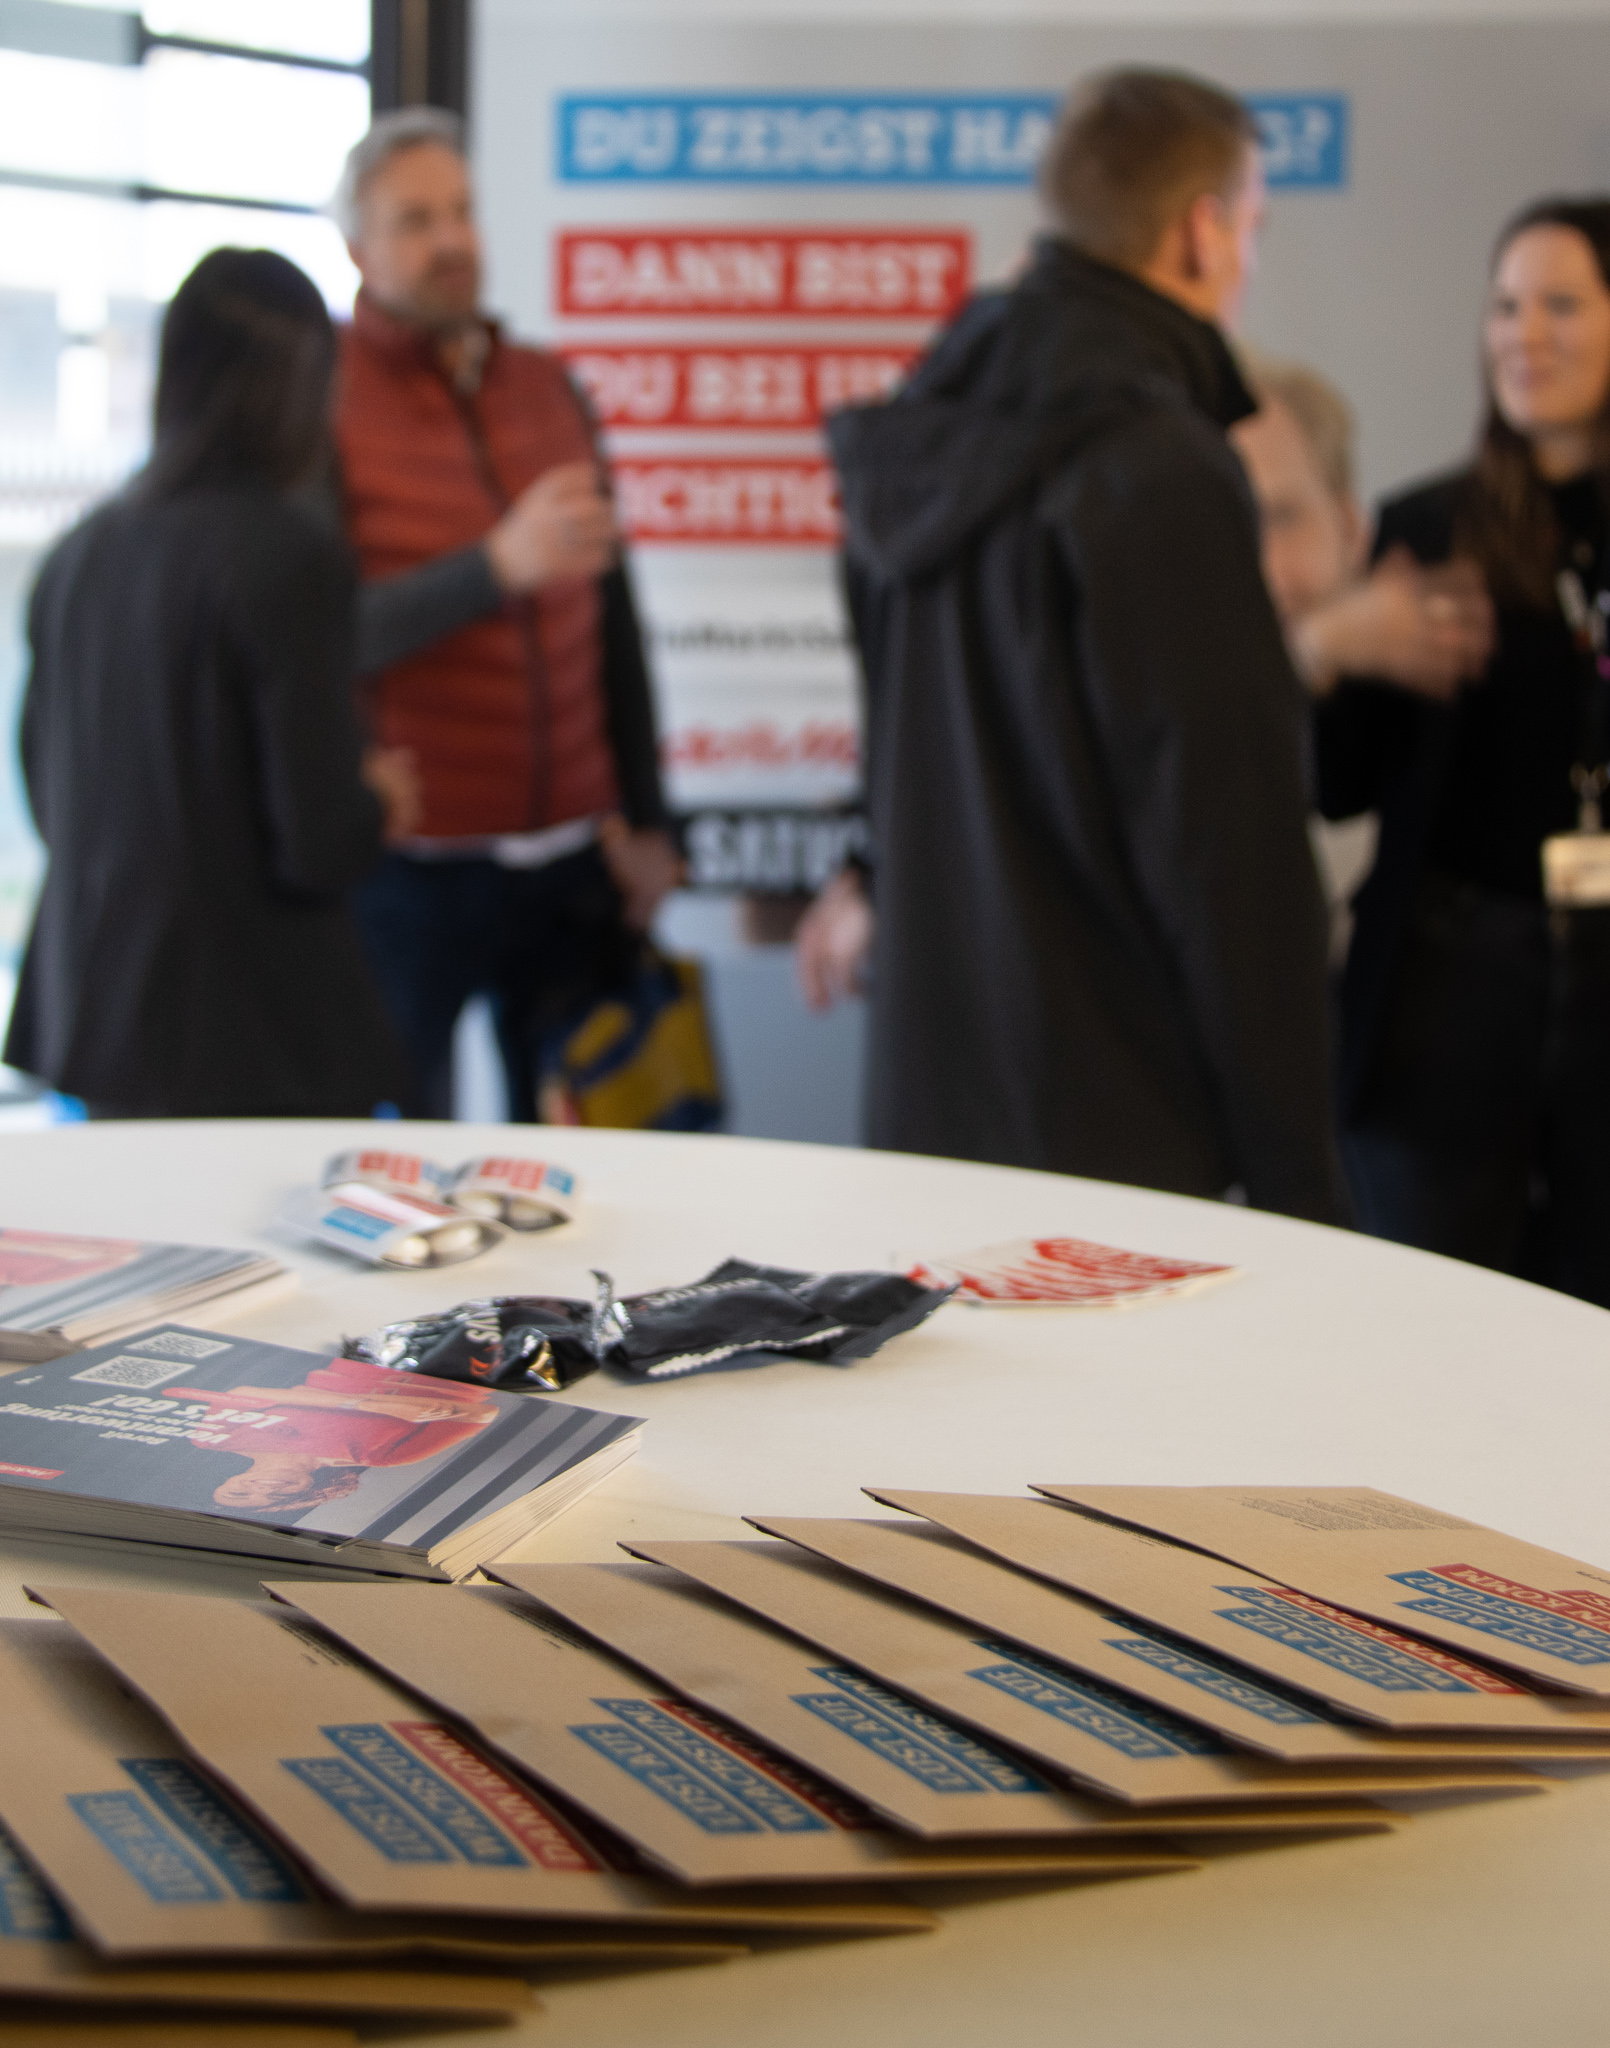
(1380,1676)
(926,1773)
(1409,1566)
(390,1807)
(931,1565)
(149,1858)
(1126,1749)
(699,1796)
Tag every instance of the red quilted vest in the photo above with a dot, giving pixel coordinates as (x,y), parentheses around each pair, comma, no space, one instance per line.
(506,716)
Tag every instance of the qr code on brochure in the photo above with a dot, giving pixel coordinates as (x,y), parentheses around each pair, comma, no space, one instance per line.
(179,1344)
(133,1372)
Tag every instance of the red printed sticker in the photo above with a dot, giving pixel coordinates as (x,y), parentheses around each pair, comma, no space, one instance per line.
(1587,1609)
(833,1805)
(732,388)
(30,1472)
(532,1823)
(1476,1676)
(777,274)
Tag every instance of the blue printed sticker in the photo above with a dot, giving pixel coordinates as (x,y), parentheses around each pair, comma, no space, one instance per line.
(148,1849)
(1365,1658)
(254,1868)
(933,1748)
(1141,1731)
(27,1910)
(772,1804)
(383,1821)
(674,1782)
(434,1798)
(1223,1681)
(1510,1621)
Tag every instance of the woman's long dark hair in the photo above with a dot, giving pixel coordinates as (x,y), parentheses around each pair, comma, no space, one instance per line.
(1506,523)
(243,376)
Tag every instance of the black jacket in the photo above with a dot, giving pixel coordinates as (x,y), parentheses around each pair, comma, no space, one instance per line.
(1466,789)
(1101,941)
(191,755)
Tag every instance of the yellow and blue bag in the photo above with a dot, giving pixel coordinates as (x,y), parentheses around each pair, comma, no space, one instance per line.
(640,1059)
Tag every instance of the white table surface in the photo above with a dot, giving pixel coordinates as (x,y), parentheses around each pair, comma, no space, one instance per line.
(1333,1360)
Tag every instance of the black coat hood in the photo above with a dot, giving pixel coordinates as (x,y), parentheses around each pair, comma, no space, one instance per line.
(1020,380)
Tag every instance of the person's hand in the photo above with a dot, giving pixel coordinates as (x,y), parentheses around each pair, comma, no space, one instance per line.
(644,866)
(393,776)
(1428,630)
(834,942)
(560,528)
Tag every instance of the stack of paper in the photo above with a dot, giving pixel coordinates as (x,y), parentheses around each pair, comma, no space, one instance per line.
(58,1292)
(245,1449)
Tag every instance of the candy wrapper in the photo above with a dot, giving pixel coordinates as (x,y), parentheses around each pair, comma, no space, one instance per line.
(526,1194)
(739,1310)
(520,1194)
(739,1314)
(540,1342)
(1063,1272)
(385,1229)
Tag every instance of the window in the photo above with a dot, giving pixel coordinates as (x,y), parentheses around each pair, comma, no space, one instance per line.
(132,143)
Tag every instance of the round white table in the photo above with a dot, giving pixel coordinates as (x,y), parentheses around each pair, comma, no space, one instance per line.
(1332,1360)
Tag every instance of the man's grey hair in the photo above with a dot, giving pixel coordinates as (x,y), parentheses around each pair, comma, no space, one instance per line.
(389,136)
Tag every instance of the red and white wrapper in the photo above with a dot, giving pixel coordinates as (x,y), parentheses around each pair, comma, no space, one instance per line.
(398,1173)
(1063,1272)
(386,1229)
(526,1194)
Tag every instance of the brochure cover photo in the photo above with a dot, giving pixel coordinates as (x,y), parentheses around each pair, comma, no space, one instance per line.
(281,1443)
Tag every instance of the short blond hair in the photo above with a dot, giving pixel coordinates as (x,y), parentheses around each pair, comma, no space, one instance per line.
(1132,150)
(1323,415)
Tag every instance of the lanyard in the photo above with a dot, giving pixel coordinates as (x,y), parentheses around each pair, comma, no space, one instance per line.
(1590,772)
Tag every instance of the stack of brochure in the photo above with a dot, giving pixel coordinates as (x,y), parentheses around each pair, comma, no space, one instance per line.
(229,1445)
(58,1292)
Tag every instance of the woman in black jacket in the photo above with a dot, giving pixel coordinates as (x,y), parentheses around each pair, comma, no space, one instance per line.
(191,748)
(1476,1019)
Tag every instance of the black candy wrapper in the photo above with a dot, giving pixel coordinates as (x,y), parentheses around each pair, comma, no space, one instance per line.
(739,1314)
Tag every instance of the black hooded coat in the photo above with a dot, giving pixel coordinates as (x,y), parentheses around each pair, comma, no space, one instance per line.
(1101,940)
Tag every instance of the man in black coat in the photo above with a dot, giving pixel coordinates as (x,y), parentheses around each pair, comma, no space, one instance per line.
(1100,938)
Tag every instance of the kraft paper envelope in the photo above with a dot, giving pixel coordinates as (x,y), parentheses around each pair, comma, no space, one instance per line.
(1409,1566)
(1356,1665)
(925,1773)
(390,1807)
(42,1961)
(697,1795)
(1134,1752)
(930,1565)
(150,1859)
(147,1857)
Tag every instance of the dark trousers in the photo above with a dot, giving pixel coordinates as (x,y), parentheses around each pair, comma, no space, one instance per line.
(1486,1131)
(539,942)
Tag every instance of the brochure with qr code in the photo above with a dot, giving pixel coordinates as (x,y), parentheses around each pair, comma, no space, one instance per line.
(58,1291)
(230,1445)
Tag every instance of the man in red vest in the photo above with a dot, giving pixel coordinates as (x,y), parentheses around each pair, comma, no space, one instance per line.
(496,631)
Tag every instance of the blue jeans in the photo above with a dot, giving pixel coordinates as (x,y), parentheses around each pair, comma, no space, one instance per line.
(541,943)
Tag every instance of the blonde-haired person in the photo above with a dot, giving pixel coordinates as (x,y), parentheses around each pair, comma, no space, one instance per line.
(1427,630)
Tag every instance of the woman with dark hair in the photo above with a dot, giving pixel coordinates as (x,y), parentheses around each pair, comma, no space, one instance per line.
(191,748)
(1476,1015)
